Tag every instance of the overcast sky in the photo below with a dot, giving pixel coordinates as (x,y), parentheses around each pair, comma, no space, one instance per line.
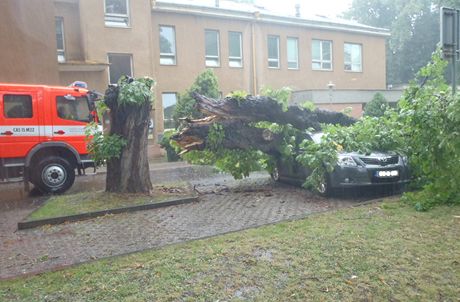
(330,8)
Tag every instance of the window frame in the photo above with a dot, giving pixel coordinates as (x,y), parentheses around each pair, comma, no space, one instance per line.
(114,23)
(351,57)
(322,61)
(236,59)
(297,53)
(212,57)
(277,60)
(173,55)
(60,52)
(120,54)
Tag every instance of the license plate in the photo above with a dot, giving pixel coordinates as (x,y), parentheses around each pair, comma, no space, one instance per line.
(387,173)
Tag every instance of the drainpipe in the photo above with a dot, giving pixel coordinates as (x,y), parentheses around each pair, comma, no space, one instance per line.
(254,63)
(217,3)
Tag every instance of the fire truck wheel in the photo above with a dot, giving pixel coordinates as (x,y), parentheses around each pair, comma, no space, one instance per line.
(54,175)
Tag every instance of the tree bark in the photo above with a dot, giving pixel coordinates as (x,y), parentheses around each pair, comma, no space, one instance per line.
(236,117)
(130,172)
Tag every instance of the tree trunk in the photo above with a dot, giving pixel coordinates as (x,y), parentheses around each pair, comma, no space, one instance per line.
(130,172)
(236,117)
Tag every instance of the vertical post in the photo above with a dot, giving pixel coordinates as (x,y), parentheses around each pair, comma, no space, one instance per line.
(454,76)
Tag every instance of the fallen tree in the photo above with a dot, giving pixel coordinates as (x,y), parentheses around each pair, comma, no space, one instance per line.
(242,125)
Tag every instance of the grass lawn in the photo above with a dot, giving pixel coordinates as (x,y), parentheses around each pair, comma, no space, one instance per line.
(379,252)
(71,204)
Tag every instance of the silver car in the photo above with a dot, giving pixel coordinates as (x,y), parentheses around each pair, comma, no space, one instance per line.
(353,169)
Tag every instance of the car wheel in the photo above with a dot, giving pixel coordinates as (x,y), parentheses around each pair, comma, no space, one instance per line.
(275,175)
(323,187)
(54,175)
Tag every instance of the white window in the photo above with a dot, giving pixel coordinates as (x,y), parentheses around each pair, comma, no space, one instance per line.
(169,100)
(212,48)
(273,45)
(353,57)
(293,53)
(235,52)
(117,13)
(167,45)
(321,53)
(60,43)
(119,65)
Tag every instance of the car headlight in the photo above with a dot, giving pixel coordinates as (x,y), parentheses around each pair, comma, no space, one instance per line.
(346,161)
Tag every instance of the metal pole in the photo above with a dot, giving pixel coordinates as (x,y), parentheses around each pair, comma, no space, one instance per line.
(454,76)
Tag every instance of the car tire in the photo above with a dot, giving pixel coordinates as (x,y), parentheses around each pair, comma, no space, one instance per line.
(324,188)
(53,175)
(275,175)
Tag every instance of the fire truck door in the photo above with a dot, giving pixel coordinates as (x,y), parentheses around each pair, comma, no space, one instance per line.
(70,116)
(19,123)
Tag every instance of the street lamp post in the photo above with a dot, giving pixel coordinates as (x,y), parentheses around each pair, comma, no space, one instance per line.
(331,86)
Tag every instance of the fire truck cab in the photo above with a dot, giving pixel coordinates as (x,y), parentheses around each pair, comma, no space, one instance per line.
(42,134)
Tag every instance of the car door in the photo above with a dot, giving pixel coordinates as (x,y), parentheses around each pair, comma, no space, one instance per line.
(19,123)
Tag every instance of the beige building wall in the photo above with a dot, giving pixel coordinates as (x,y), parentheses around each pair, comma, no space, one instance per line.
(190,57)
(98,39)
(28,42)
(373,75)
(30,52)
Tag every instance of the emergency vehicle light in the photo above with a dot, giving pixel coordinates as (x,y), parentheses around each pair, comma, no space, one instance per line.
(79,84)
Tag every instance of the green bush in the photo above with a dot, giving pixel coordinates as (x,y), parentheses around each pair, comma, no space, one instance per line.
(169,145)
(205,84)
(377,106)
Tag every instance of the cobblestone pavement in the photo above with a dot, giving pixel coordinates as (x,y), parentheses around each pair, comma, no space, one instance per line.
(224,206)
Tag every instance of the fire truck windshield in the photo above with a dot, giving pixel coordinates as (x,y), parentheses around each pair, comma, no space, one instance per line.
(76,109)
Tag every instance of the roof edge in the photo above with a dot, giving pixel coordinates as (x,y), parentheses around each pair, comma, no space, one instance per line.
(266,18)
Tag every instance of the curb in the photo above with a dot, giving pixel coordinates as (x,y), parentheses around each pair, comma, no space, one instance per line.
(71,218)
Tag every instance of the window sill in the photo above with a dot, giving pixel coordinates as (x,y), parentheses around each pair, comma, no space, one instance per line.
(118,26)
(351,71)
(329,70)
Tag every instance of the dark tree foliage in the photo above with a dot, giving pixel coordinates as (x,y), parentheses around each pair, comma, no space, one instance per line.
(414,27)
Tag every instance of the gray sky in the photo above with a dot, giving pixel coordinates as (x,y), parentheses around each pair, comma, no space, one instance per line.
(330,8)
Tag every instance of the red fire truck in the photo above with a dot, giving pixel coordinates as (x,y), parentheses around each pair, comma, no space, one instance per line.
(42,134)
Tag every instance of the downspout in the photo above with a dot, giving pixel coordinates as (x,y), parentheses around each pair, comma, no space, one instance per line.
(254,63)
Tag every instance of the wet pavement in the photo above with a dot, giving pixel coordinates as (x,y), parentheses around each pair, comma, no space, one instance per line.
(225,205)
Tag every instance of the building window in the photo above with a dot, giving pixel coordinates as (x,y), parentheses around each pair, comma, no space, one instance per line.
(293,53)
(212,48)
(353,57)
(167,45)
(17,106)
(117,13)
(169,104)
(119,65)
(235,50)
(60,44)
(321,55)
(273,44)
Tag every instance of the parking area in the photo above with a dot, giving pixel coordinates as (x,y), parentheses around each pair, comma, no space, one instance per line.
(225,205)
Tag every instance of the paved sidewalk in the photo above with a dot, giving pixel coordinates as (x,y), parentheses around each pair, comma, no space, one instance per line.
(225,206)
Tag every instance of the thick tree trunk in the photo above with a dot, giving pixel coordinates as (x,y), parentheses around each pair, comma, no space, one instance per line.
(130,172)
(236,117)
